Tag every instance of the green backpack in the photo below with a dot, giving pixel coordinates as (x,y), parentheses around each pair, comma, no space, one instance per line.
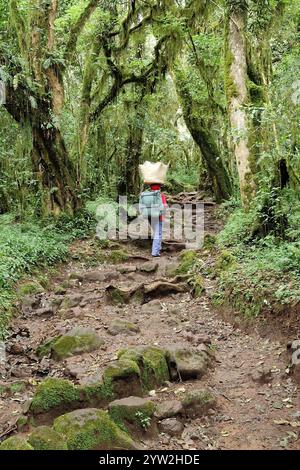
(151,205)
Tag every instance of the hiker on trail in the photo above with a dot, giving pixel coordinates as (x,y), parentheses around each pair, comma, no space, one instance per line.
(153,203)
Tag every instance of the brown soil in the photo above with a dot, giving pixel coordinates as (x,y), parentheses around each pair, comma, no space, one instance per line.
(248,412)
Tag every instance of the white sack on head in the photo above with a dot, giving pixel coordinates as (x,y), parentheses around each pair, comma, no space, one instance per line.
(154,172)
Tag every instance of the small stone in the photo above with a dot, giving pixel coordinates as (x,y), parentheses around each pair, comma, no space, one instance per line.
(168,409)
(262,375)
(149,267)
(127,269)
(187,363)
(171,426)
(120,326)
(71,301)
(16,349)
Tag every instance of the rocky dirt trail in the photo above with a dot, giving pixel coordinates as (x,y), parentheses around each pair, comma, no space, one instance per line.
(212,386)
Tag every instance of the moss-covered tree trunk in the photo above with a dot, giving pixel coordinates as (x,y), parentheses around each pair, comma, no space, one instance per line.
(216,169)
(55,171)
(136,113)
(236,83)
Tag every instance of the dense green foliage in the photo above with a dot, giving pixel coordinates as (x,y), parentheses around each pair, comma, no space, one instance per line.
(95,88)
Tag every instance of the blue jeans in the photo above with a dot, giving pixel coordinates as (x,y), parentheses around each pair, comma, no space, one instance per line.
(157,227)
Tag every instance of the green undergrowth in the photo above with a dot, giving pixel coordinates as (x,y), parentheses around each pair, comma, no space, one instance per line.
(254,271)
(27,247)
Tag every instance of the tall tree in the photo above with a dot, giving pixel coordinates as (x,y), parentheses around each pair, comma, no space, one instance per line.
(236,83)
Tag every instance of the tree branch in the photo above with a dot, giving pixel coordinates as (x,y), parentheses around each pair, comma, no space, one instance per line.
(78,27)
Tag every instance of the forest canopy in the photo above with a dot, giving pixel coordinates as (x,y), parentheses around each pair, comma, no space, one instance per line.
(90,89)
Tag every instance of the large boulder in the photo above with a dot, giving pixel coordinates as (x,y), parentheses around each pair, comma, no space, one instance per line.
(77,341)
(46,438)
(92,429)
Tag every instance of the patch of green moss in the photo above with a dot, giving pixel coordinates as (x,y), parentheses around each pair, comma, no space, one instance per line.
(30,288)
(70,344)
(66,346)
(118,296)
(15,443)
(187,261)
(121,369)
(209,241)
(197,284)
(91,429)
(256,93)
(22,422)
(225,261)
(102,391)
(151,362)
(198,402)
(11,389)
(45,438)
(155,365)
(53,393)
(44,349)
(114,256)
(230,86)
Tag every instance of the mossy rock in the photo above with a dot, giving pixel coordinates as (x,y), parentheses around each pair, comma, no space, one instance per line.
(197,402)
(77,341)
(98,392)
(92,429)
(186,363)
(152,363)
(123,368)
(117,296)
(30,288)
(46,438)
(54,393)
(71,301)
(124,375)
(15,443)
(134,410)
